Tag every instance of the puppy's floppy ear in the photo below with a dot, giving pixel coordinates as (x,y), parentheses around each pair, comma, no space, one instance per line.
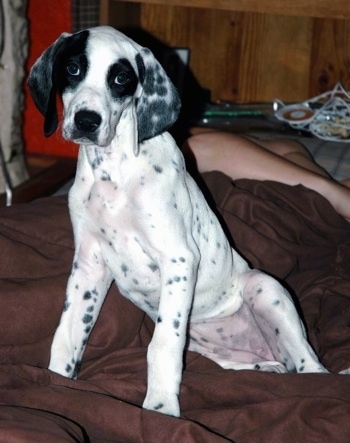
(159,103)
(42,83)
(45,78)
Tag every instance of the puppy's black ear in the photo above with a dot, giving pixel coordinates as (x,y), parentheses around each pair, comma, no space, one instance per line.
(42,83)
(44,77)
(159,103)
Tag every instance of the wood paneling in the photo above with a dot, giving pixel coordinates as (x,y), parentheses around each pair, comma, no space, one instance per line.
(250,56)
(304,8)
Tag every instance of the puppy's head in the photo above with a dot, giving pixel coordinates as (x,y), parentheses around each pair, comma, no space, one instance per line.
(98,73)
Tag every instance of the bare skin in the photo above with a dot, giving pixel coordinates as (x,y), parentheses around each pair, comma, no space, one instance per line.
(280,160)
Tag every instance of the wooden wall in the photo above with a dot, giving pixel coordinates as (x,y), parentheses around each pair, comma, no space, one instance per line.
(251,56)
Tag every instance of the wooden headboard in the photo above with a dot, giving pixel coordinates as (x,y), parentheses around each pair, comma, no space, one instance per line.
(250,50)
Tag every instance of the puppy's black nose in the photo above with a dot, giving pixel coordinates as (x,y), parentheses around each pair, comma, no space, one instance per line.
(87,121)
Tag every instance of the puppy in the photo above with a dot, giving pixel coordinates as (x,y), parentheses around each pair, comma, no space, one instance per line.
(140,220)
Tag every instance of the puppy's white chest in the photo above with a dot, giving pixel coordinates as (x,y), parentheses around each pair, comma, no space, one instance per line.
(114,220)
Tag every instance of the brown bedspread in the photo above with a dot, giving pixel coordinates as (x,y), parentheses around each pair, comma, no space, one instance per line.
(291,233)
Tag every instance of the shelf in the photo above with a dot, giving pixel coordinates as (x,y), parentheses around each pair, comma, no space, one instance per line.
(339,9)
(46,175)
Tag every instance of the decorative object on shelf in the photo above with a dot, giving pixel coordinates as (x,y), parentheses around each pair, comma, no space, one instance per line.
(326,116)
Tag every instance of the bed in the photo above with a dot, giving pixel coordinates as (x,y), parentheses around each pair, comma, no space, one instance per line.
(290,232)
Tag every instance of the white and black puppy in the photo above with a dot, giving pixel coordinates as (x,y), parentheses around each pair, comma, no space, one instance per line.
(140,220)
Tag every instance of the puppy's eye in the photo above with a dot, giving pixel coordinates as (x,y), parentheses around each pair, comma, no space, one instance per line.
(122,78)
(73,69)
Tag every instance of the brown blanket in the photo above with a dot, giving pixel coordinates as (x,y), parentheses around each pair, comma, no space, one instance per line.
(292,233)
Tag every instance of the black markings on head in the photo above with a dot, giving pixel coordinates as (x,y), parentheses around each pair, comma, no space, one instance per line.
(121,80)
(74,63)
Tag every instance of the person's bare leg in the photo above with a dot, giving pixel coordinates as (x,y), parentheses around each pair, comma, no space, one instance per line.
(240,157)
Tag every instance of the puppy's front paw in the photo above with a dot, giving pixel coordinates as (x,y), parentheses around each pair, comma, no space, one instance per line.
(165,404)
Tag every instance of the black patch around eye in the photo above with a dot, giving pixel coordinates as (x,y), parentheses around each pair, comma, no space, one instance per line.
(73,53)
(127,88)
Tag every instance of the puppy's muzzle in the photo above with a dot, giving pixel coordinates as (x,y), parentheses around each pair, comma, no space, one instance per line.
(87,122)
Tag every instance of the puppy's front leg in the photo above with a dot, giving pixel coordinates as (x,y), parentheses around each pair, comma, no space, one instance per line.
(86,290)
(165,352)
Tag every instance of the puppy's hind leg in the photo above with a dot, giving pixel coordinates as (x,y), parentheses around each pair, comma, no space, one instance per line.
(277,317)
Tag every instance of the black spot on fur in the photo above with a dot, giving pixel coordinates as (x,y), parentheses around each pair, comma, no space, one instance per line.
(176,324)
(159,406)
(158,169)
(153,267)
(87,318)
(87,295)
